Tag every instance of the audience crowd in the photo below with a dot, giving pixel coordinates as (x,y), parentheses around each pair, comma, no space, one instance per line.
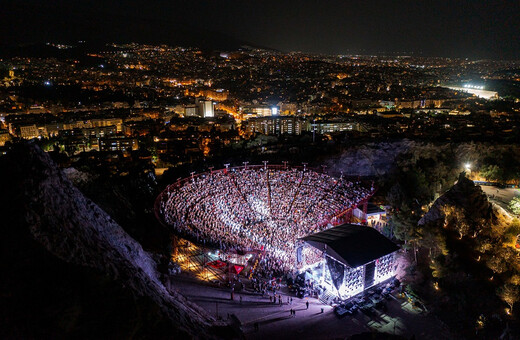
(259,209)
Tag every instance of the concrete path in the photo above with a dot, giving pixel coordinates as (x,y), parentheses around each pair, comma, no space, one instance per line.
(275,321)
(500,196)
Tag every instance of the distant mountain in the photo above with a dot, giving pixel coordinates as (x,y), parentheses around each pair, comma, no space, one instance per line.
(22,29)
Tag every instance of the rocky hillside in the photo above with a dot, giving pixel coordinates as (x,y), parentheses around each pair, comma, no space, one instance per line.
(464,195)
(469,267)
(372,159)
(71,270)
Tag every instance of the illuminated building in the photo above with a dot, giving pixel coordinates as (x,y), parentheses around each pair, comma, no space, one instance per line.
(99,132)
(259,111)
(276,125)
(118,144)
(118,122)
(36,109)
(459,113)
(347,259)
(373,213)
(218,95)
(29,131)
(390,114)
(191,111)
(324,127)
(206,109)
(4,137)
(288,108)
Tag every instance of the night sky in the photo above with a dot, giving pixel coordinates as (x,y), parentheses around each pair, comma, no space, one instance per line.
(473,29)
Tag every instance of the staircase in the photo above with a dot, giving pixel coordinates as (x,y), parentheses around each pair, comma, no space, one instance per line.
(326,297)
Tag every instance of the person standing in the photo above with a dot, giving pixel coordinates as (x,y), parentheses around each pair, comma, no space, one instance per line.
(307,304)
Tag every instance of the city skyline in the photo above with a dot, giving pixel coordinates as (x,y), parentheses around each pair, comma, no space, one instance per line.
(251,170)
(475,30)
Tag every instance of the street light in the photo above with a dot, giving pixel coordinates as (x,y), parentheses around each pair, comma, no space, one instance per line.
(467,166)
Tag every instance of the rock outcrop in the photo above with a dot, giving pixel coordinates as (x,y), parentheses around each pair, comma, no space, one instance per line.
(40,203)
(465,195)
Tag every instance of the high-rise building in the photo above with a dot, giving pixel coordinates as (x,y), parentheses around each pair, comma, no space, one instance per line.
(206,109)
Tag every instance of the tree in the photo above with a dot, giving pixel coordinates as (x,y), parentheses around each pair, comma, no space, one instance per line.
(512,231)
(510,294)
(496,264)
(515,279)
(455,218)
(514,205)
(403,226)
(492,173)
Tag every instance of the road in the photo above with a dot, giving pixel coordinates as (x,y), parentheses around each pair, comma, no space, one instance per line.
(500,196)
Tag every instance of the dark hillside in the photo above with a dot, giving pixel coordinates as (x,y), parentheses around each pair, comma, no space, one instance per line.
(69,270)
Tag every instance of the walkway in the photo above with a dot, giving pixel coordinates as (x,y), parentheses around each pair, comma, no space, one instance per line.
(275,321)
(500,196)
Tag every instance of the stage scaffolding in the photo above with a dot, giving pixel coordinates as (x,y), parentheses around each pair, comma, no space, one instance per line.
(194,259)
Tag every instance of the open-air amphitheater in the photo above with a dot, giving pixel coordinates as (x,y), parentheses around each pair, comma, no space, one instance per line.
(257,209)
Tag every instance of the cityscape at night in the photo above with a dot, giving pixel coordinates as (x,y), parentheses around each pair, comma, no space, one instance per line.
(253,170)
